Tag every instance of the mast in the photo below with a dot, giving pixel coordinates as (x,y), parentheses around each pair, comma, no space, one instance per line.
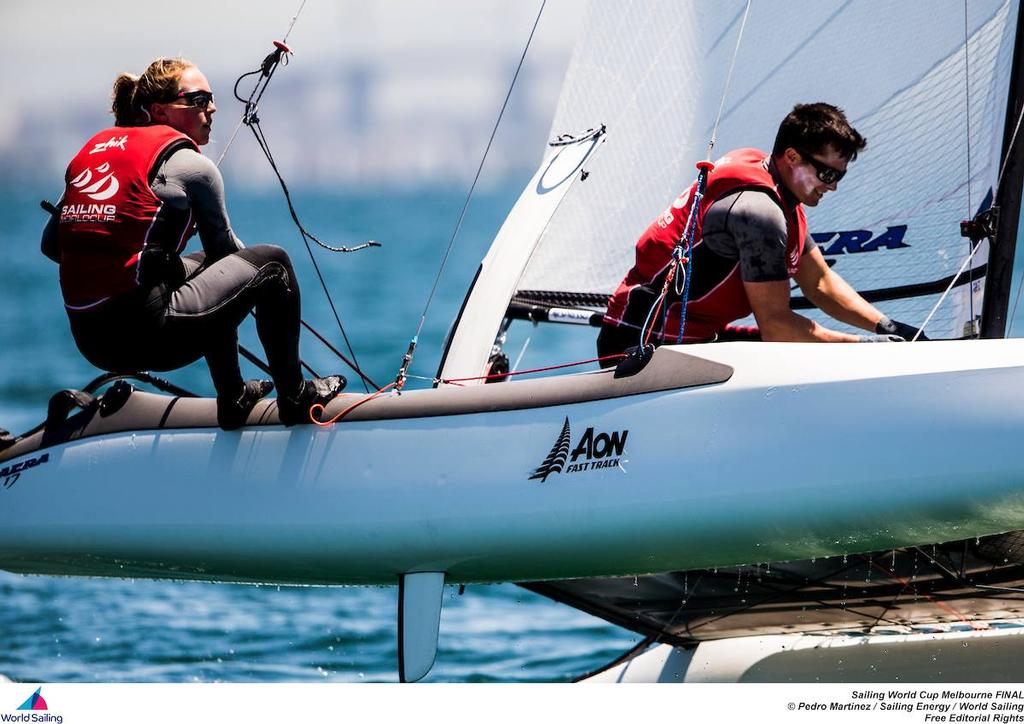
(995,309)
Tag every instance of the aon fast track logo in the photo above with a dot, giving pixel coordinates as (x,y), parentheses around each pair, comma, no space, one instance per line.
(594,450)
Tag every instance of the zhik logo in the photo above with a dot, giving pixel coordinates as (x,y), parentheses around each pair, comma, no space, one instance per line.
(31,708)
(597,450)
(112,142)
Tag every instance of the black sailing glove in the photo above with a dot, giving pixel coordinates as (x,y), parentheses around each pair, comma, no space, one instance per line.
(881,338)
(891,326)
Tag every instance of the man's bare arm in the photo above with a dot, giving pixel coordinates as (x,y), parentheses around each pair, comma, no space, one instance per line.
(830,293)
(779,323)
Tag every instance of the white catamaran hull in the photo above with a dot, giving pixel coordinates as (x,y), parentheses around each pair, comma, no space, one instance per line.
(805,451)
(939,654)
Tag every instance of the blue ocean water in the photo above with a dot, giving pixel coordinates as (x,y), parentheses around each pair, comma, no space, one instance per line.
(68,629)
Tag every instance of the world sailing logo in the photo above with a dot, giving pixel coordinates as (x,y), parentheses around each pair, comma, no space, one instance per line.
(34,704)
(594,451)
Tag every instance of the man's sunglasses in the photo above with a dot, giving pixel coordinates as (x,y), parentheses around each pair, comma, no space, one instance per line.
(198,98)
(826,173)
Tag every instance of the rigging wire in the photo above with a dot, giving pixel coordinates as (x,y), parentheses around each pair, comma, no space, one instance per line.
(967,116)
(969,261)
(995,195)
(241,121)
(522,352)
(728,80)
(682,252)
(655,61)
(407,358)
(995,192)
(967,105)
(945,294)
(292,24)
(1009,150)
(354,362)
(250,117)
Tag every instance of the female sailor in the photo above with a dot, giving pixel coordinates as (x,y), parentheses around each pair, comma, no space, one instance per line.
(134,194)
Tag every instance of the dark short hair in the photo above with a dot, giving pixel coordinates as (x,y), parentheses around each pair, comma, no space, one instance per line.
(812,126)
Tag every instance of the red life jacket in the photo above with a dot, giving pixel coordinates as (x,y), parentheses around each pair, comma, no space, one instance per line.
(108,210)
(717,296)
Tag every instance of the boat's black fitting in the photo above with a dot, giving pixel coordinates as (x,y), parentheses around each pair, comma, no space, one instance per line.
(6,439)
(635,360)
(63,402)
(497,368)
(114,398)
(982,226)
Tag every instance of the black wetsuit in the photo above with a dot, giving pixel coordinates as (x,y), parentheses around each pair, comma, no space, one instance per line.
(192,307)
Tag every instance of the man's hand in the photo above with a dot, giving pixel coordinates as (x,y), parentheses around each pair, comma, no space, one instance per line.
(888,326)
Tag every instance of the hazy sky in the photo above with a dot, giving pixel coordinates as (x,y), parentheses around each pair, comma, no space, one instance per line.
(63,54)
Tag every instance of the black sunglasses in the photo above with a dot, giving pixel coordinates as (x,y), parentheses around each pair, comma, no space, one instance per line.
(826,174)
(198,98)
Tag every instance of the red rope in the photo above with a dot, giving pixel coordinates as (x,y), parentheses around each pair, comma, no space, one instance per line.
(317,409)
(456,380)
(348,409)
(661,299)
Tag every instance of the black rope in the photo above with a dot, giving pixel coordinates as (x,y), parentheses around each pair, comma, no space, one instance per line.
(567,139)
(157,382)
(250,117)
(337,352)
(265,367)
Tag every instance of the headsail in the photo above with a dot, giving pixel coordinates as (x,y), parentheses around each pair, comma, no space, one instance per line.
(931,105)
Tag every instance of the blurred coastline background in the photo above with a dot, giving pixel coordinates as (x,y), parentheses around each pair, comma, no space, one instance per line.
(385,93)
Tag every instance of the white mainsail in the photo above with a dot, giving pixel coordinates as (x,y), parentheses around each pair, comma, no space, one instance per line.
(931,105)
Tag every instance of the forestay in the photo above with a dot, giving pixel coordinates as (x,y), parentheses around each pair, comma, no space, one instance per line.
(654,73)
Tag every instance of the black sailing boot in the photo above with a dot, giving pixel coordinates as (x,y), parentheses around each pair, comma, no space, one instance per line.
(317,391)
(232,413)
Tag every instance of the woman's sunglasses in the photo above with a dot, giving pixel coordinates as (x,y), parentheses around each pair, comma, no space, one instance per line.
(198,98)
(826,174)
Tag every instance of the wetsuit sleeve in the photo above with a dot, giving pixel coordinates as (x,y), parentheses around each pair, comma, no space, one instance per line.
(49,245)
(189,180)
(809,244)
(750,227)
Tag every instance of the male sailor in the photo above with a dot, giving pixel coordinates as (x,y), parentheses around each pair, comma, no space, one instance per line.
(134,194)
(751,239)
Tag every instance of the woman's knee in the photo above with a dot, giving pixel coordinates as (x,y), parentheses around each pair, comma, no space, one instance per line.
(266,253)
(261,255)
